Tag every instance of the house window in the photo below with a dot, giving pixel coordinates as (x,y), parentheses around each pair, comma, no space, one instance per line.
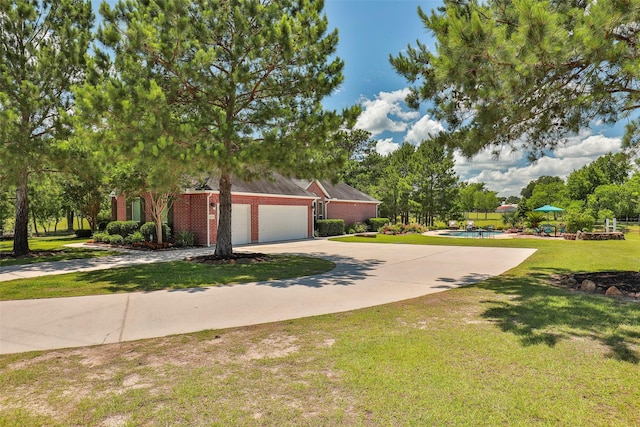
(320,211)
(135,210)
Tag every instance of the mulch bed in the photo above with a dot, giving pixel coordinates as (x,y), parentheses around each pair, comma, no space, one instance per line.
(627,282)
(236,258)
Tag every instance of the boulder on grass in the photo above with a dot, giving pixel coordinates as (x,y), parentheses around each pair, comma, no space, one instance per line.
(588,286)
(613,291)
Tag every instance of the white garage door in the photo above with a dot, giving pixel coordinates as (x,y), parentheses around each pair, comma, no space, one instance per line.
(240,224)
(282,222)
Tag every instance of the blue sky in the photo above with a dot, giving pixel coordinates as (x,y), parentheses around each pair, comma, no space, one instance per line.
(371,30)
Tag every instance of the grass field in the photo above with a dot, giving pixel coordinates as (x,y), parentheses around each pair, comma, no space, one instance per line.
(512,350)
(165,275)
(50,248)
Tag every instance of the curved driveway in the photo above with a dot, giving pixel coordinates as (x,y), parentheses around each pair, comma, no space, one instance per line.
(366,274)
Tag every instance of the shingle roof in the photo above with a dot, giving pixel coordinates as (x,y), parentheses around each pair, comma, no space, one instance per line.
(277,185)
(342,191)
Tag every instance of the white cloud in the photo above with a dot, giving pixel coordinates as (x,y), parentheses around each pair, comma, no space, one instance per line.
(385,113)
(423,129)
(507,174)
(386,146)
(511,172)
(590,146)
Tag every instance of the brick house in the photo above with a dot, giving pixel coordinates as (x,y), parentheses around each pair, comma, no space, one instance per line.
(262,210)
(341,201)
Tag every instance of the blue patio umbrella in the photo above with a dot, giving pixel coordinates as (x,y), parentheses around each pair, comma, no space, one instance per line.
(547,209)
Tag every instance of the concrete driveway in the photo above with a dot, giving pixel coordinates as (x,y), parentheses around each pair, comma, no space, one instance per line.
(366,274)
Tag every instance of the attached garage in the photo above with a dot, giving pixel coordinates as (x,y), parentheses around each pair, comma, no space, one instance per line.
(283,222)
(240,224)
(266,210)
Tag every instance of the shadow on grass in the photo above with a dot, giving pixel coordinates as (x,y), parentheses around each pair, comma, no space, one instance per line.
(347,271)
(539,313)
(286,271)
(456,282)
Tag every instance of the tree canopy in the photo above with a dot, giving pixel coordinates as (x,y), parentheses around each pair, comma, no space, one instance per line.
(233,87)
(526,73)
(608,169)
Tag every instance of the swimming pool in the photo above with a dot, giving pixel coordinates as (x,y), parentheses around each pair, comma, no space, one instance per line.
(473,233)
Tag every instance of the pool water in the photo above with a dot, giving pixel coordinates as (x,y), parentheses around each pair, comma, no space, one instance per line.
(474,233)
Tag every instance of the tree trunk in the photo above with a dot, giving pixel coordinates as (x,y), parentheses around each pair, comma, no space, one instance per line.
(21,232)
(159,202)
(70,220)
(159,231)
(223,242)
(35,224)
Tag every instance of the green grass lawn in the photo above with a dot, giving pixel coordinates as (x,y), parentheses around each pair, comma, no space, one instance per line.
(512,350)
(157,276)
(49,249)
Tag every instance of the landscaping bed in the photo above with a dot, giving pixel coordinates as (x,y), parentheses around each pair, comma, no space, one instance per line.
(611,283)
(616,235)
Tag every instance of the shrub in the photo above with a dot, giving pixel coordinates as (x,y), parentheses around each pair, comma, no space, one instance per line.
(579,221)
(116,239)
(130,227)
(330,227)
(414,228)
(185,238)
(392,229)
(148,229)
(358,227)
(99,237)
(400,228)
(83,233)
(375,224)
(122,228)
(113,239)
(115,227)
(136,237)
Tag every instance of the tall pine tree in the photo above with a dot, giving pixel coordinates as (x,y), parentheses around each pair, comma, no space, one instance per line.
(238,86)
(42,54)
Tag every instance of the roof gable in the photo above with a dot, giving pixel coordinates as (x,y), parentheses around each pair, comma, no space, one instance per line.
(276,185)
(342,191)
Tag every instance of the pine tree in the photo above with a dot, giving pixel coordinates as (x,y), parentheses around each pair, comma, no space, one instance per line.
(238,86)
(526,73)
(42,54)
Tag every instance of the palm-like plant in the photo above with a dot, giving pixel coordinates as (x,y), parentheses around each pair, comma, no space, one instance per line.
(512,219)
(534,219)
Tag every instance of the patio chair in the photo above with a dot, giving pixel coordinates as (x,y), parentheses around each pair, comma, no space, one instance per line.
(453,225)
(546,230)
(471,225)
